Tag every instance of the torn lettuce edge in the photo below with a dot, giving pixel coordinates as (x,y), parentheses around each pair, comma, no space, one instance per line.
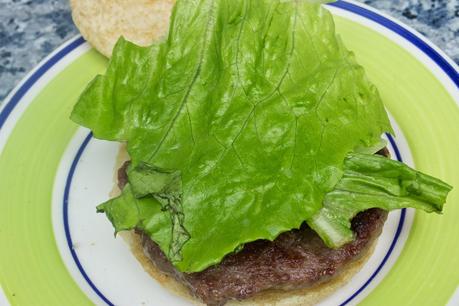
(372,181)
(369,181)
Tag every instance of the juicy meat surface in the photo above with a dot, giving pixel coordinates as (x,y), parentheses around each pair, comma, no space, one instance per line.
(122,175)
(295,259)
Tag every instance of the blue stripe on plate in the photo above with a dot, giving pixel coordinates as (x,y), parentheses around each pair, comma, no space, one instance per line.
(68,236)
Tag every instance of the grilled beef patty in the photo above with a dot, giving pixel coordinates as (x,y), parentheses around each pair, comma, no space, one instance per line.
(295,259)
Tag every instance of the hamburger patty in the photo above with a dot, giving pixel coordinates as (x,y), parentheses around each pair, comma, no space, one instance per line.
(295,259)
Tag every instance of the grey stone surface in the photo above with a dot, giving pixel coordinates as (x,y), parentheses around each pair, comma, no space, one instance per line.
(31,29)
(436,19)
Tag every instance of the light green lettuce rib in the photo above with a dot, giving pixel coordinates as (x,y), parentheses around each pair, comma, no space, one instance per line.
(372,181)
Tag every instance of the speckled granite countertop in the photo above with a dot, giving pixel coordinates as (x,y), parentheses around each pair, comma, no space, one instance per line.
(30,30)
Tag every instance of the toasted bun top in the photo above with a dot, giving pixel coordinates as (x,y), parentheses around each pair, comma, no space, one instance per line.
(102,22)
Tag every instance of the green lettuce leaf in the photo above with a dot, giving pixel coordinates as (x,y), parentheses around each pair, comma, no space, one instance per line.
(237,124)
(127,212)
(371,181)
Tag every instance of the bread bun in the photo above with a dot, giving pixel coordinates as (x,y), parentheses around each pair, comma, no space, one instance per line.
(102,22)
(303,297)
